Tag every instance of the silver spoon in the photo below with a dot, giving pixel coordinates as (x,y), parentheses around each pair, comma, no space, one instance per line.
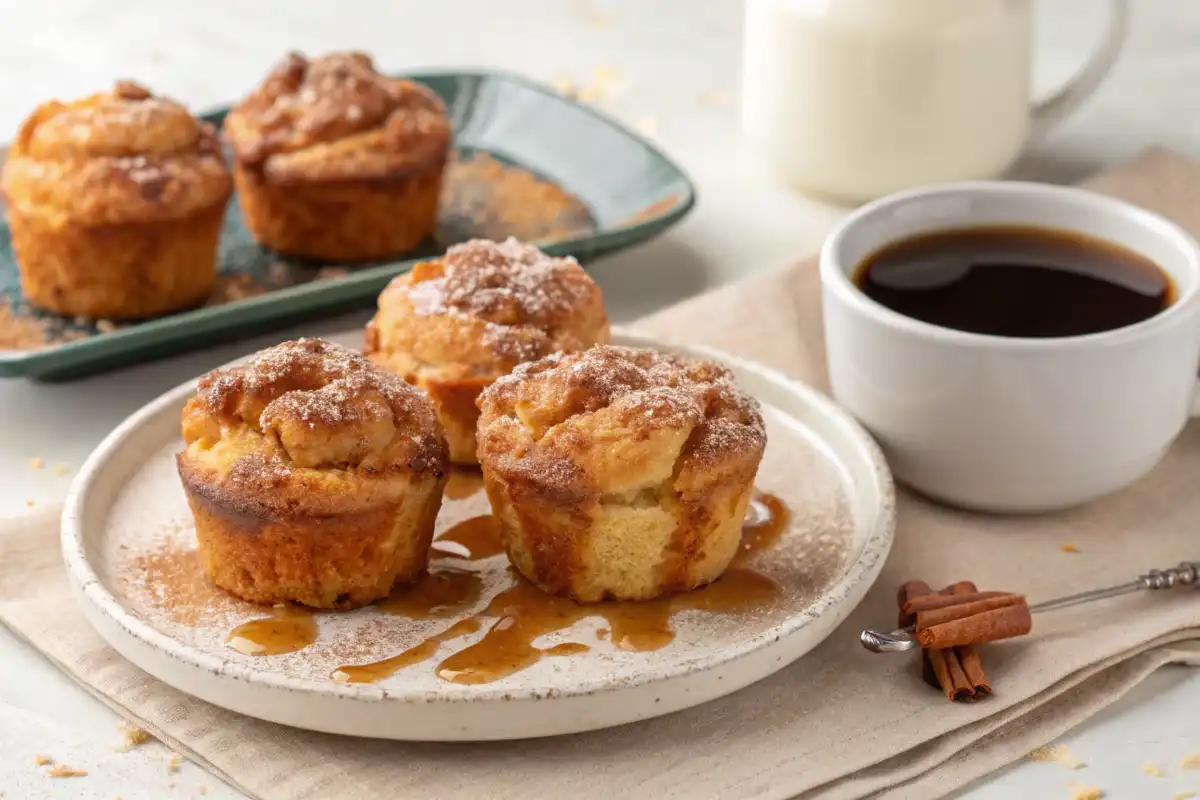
(1186,574)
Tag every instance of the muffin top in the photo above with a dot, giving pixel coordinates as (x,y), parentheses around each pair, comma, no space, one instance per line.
(484,308)
(336,118)
(619,420)
(120,156)
(311,416)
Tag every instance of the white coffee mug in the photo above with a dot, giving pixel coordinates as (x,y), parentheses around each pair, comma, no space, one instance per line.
(860,98)
(1011,424)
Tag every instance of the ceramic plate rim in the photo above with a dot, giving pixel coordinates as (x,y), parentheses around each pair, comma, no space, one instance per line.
(851,586)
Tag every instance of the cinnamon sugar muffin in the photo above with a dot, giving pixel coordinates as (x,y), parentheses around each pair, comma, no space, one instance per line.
(115,202)
(619,473)
(313,475)
(334,161)
(454,325)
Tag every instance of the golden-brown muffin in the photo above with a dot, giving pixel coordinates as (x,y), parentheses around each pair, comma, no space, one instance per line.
(313,475)
(619,473)
(115,202)
(454,325)
(334,161)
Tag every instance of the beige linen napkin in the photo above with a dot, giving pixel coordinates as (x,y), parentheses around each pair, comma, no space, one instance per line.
(840,723)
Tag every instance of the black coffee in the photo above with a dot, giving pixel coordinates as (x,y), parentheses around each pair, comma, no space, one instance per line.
(1015,281)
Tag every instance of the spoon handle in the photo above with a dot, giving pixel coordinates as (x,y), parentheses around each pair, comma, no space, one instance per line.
(1186,574)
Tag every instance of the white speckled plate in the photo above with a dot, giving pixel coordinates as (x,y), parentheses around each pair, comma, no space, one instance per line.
(129,549)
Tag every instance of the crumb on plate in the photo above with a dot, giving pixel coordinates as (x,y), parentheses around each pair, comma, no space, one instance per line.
(63,771)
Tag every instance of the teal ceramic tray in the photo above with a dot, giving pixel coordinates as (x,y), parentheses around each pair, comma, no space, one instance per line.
(529,163)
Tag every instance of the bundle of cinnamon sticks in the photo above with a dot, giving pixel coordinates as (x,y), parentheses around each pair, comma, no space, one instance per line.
(951,624)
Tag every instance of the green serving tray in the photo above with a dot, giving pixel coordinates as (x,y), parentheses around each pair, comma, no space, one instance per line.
(606,187)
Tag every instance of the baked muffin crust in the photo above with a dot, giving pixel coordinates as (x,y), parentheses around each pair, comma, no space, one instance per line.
(114,157)
(336,118)
(335,161)
(314,476)
(116,203)
(619,473)
(453,325)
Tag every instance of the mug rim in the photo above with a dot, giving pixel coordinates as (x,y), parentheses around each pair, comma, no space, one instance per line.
(837,277)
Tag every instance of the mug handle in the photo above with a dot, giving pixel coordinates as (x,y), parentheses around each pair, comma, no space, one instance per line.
(1053,109)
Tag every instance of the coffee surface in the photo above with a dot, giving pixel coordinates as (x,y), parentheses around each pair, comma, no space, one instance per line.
(1020,282)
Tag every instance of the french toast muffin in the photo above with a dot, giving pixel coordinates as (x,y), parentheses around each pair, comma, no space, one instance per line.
(337,162)
(313,476)
(619,473)
(453,325)
(115,203)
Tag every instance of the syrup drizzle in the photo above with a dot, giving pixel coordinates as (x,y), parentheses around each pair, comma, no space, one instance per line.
(464,482)
(288,629)
(478,536)
(434,595)
(378,670)
(525,613)
(767,517)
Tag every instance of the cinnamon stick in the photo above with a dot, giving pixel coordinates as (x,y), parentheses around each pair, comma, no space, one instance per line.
(962,686)
(972,667)
(990,625)
(968,655)
(956,671)
(959,611)
(906,593)
(959,587)
(935,601)
(950,675)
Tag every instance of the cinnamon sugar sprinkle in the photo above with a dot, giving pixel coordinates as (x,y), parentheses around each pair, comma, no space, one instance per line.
(654,389)
(174,580)
(19,331)
(313,380)
(506,282)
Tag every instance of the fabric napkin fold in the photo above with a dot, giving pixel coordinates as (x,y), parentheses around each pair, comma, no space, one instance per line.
(839,723)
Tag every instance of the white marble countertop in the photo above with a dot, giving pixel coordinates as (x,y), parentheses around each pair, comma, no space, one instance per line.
(665,57)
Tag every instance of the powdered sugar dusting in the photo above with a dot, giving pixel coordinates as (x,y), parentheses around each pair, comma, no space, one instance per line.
(661,388)
(509,282)
(319,385)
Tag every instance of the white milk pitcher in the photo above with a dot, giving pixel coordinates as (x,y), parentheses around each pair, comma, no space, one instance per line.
(856,99)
